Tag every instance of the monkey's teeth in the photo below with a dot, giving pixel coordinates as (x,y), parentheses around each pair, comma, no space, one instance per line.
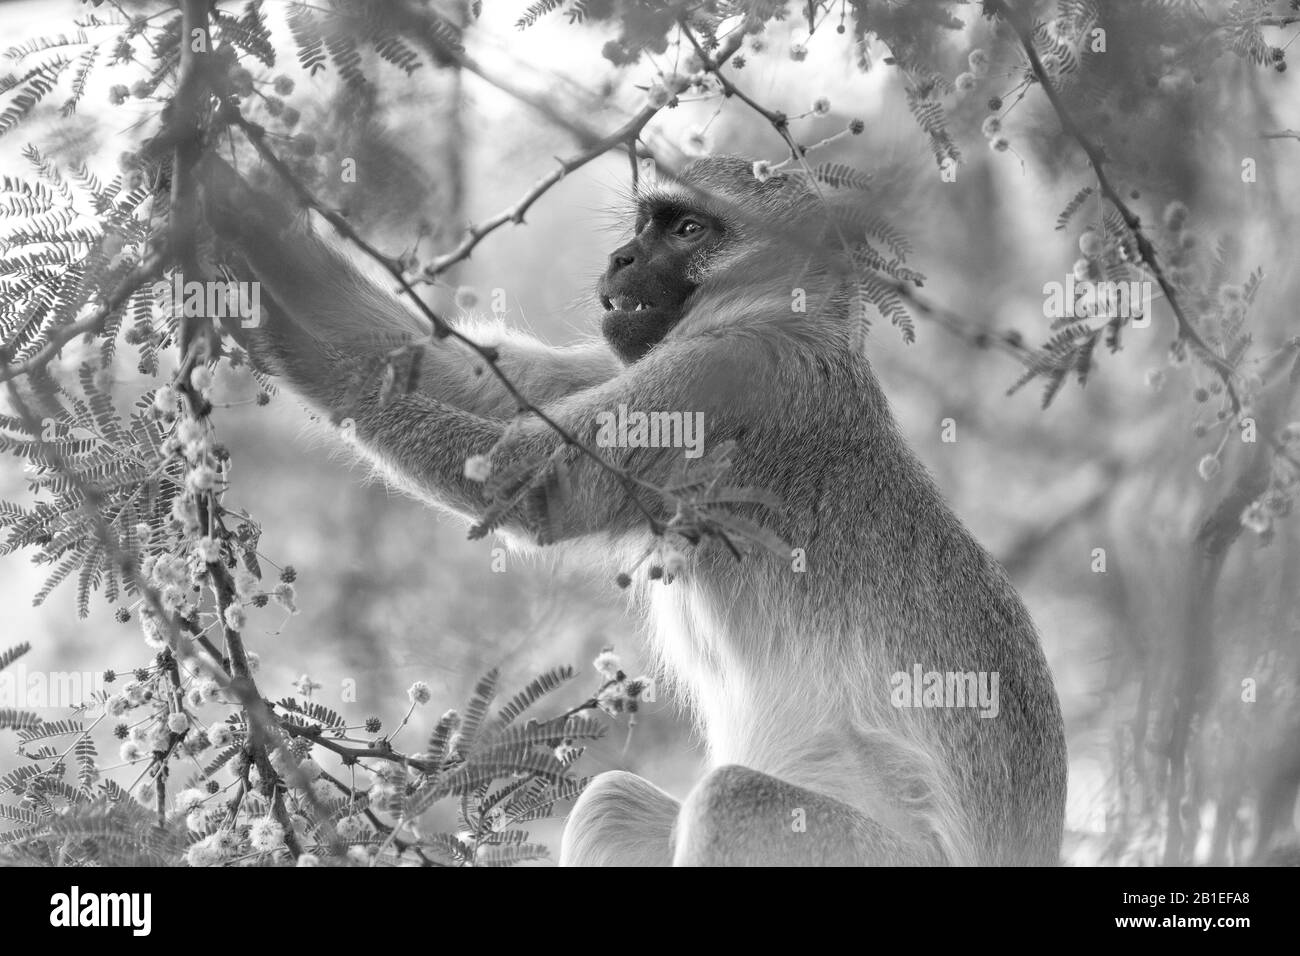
(609,306)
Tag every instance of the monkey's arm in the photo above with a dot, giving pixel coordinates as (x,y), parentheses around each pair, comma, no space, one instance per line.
(558,491)
(326,326)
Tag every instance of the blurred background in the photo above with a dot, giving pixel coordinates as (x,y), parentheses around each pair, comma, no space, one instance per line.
(1175,658)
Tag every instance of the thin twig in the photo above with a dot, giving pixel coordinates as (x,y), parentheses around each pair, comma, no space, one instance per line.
(1098,160)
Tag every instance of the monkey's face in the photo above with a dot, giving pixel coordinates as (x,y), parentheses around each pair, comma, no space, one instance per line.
(649,280)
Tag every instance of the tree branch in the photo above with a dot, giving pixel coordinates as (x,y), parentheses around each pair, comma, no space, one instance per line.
(1097,158)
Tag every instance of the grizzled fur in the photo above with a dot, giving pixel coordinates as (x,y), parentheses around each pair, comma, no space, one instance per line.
(786,673)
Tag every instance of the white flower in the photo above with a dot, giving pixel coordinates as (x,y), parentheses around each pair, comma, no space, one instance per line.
(246,585)
(284,595)
(189,799)
(201,378)
(178,723)
(116,705)
(308,859)
(306,685)
(965,82)
(478,468)
(201,478)
(1209,467)
(657,96)
(992,127)
(209,689)
(674,563)
(979,62)
(265,835)
(164,400)
(225,842)
(186,513)
(220,734)
(762,171)
(1155,379)
(130,751)
(234,617)
(349,828)
(419,693)
(359,855)
(607,664)
(205,852)
(310,769)
(208,549)
(1255,518)
(565,752)
(999,144)
(197,820)
(466,298)
(323,790)
(190,432)
(821,106)
(134,692)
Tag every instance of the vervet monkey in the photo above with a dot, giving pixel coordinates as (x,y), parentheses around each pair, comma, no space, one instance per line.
(789,667)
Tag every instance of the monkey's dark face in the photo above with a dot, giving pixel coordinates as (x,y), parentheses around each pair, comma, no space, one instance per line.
(649,280)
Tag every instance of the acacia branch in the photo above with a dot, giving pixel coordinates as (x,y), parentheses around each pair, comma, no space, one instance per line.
(625,135)
(779,121)
(148,270)
(1097,159)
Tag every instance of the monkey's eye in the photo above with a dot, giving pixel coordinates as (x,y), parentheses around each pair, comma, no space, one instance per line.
(688,227)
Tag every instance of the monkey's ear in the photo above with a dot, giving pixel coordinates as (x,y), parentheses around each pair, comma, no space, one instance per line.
(234,209)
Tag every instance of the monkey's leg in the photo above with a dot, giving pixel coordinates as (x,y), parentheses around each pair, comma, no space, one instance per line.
(741,817)
(620,820)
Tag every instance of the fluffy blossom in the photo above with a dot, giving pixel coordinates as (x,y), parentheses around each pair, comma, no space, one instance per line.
(265,835)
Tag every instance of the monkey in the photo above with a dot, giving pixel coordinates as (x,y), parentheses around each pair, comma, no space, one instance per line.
(790,669)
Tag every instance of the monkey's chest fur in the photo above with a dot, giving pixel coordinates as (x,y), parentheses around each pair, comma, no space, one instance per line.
(789,667)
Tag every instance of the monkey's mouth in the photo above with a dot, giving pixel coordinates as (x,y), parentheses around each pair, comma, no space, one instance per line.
(626,303)
(631,309)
